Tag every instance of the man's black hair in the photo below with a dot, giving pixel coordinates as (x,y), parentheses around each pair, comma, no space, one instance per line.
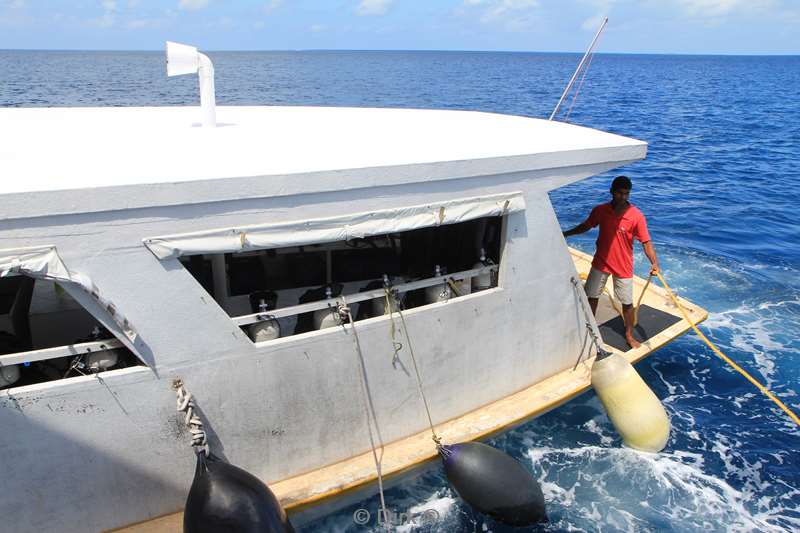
(621,182)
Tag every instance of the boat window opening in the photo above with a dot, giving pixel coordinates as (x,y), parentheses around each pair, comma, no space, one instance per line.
(46,335)
(201,269)
(280,292)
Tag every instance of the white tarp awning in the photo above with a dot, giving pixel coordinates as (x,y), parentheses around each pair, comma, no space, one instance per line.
(338,228)
(45,263)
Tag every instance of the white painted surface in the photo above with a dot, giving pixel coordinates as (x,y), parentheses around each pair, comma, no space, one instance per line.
(47,149)
(289,405)
(281,407)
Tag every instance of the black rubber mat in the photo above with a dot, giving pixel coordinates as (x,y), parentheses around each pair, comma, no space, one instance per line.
(651,323)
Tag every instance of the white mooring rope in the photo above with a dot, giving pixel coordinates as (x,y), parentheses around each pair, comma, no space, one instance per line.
(390,294)
(346,316)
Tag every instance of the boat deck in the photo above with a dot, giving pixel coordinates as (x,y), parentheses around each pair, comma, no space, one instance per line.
(660,323)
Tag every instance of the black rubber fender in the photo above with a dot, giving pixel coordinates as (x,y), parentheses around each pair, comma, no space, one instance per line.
(226,499)
(494,483)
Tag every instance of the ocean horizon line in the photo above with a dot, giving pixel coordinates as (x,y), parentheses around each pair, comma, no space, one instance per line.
(404,50)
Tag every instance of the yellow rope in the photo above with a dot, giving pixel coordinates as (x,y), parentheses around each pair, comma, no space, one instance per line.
(727,359)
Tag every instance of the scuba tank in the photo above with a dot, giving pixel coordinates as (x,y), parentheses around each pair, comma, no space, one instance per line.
(379,305)
(264,330)
(328,317)
(439,292)
(483,281)
(102,360)
(9,374)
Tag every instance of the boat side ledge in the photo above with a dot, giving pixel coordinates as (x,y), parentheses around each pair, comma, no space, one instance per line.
(131,374)
(369,322)
(124,197)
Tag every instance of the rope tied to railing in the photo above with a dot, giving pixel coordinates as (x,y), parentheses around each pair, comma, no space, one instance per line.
(347,317)
(186,405)
(602,353)
(390,294)
(396,345)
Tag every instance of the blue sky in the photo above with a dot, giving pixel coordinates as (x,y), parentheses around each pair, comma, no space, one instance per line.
(636,26)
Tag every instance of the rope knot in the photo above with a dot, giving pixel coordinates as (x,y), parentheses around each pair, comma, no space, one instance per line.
(186,405)
(344,312)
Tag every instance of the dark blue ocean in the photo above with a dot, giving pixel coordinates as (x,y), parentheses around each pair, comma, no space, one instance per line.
(721,190)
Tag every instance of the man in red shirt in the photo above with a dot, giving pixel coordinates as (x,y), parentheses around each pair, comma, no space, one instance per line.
(620,222)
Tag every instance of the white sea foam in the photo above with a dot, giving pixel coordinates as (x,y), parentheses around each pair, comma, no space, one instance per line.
(432,512)
(762,330)
(594,426)
(638,491)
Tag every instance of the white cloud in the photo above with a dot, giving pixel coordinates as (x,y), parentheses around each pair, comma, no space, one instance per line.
(718,8)
(191,5)
(603,9)
(272,5)
(515,5)
(593,23)
(513,15)
(147,23)
(373,7)
(109,16)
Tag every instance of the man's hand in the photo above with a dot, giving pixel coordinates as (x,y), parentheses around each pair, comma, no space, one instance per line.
(654,269)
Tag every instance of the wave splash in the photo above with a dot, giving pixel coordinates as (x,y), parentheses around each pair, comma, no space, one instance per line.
(618,489)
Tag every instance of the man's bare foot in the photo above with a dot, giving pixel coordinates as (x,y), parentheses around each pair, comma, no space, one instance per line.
(633,343)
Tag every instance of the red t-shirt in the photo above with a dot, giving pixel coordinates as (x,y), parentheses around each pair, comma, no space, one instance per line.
(614,253)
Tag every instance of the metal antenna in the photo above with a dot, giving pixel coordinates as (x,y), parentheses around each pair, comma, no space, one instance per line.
(577,70)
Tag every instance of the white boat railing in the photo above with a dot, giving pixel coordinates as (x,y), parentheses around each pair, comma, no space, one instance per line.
(69,350)
(359,296)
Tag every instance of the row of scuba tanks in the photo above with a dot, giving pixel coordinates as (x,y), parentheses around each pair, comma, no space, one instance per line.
(60,367)
(267,329)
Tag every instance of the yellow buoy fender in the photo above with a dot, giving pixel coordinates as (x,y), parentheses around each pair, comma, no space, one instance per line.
(635,411)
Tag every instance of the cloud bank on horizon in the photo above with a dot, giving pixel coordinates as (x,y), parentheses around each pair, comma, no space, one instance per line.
(636,26)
